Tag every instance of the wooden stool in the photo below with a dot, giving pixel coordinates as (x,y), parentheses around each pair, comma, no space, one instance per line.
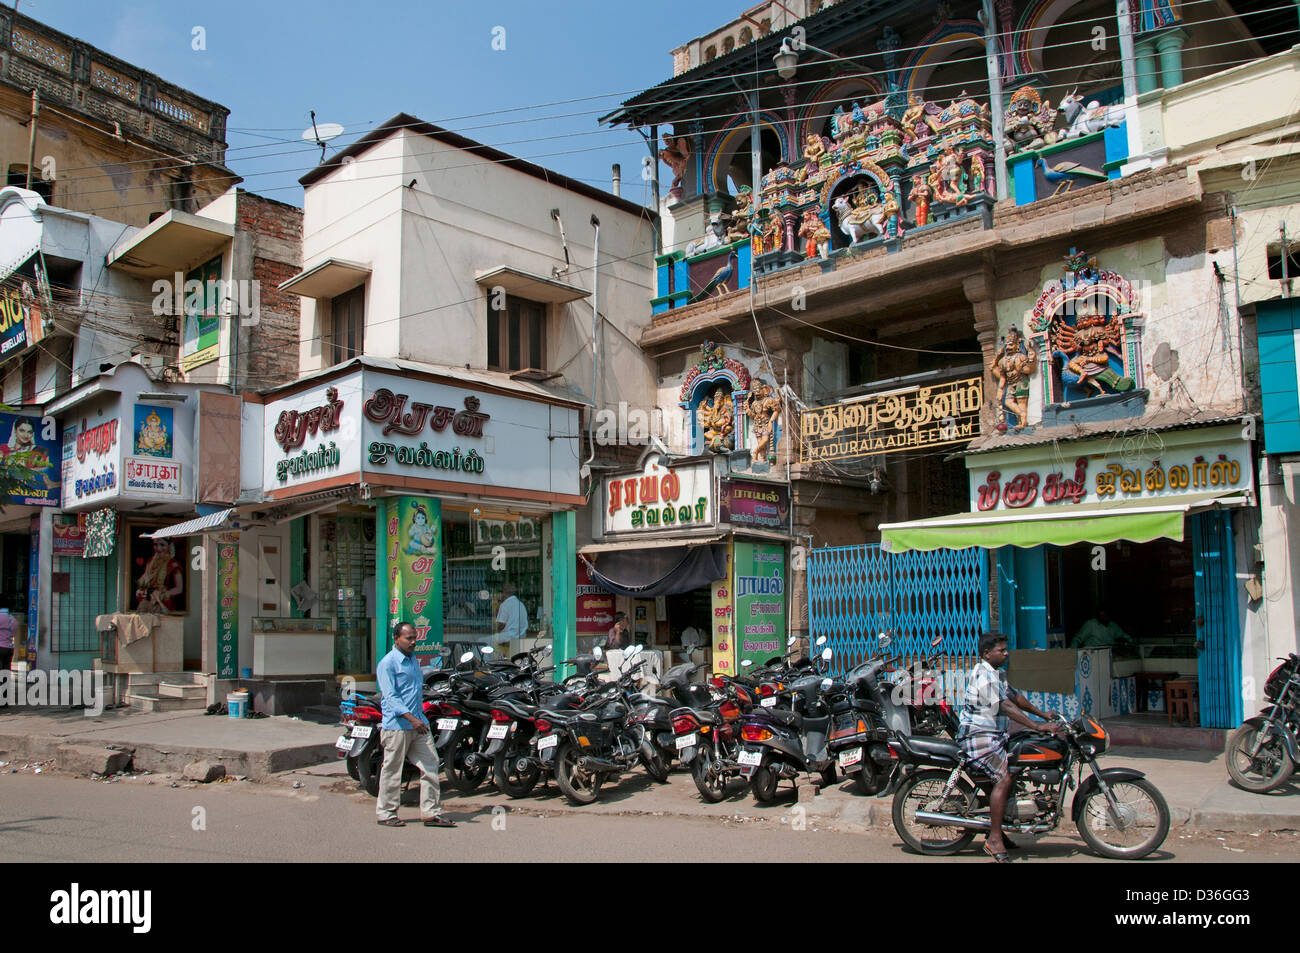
(1182,697)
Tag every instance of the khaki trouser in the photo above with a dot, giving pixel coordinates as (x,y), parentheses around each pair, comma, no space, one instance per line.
(400,747)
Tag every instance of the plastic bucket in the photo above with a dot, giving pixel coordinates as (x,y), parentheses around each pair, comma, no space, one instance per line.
(237,704)
(245,673)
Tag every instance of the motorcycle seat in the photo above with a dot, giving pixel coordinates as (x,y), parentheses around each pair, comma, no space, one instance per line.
(781,716)
(641,698)
(935,746)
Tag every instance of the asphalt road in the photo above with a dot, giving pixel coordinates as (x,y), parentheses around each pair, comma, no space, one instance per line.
(56,818)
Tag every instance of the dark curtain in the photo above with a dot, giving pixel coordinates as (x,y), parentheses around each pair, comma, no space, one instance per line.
(646,573)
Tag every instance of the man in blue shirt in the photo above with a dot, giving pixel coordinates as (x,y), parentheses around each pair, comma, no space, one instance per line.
(405,733)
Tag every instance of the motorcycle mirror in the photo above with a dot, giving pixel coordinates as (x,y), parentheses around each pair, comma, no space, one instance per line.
(826,682)
(597,651)
(826,654)
(467,657)
(790,641)
(936,641)
(883,640)
(821,640)
(747,663)
(487,650)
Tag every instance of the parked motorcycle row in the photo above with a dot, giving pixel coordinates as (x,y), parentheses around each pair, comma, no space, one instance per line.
(786,720)
(1263,752)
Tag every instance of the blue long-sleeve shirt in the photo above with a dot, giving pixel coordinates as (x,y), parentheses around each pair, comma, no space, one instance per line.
(401,691)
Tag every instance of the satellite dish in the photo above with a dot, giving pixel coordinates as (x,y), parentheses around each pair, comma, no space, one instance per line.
(322,133)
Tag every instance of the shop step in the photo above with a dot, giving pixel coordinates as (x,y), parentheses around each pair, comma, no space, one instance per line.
(170,689)
(151,701)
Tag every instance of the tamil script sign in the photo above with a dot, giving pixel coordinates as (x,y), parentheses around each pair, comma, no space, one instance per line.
(900,420)
(763,505)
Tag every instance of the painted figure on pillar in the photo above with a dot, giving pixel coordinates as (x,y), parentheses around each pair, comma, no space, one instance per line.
(948,178)
(920,199)
(424,538)
(676,152)
(716,418)
(763,409)
(1011,369)
(816,236)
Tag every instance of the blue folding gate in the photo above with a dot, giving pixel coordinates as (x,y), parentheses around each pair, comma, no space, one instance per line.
(857,592)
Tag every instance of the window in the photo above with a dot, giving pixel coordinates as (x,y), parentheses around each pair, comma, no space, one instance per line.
(41,186)
(345,336)
(516,335)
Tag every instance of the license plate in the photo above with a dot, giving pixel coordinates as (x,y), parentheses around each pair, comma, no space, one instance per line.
(344,743)
(361,731)
(686,741)
(448,724)
(751,758)
(851,757)
(499,730)
(550,741)
(768,702)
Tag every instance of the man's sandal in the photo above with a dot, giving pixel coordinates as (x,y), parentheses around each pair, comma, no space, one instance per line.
(1000,856)
(392,822)
(438,821)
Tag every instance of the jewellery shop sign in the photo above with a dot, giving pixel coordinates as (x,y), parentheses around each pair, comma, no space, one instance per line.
(908,419)
(1075,475)
(660,499)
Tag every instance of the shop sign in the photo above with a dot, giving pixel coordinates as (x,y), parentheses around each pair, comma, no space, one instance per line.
(227,603)
(69,535)
(886,423)
(595,605)
(1099,478)
(761,505)
(661,498)
(724,645)
(93,473)
(150,476)
(29,455)
(385,407)
(312,436)
(22,301)
(414,541)
(523,533)
(760,601)
(153,431)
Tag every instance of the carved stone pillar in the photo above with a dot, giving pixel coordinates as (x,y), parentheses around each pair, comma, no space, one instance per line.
(978,289)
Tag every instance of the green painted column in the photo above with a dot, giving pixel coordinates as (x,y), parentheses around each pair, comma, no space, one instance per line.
(1148,76)
(297,573)
(1170,46)
(564,590)
(383,637)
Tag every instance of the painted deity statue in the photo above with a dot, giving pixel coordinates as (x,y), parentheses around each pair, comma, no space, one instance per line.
(816,236)
(1012,369)
(716,418)
(1030,121)
(893,216)
(1087,348)
(920,198)
(676,153)
(948,178)
(861,217)
(814,152)
(153,437)
(763,409)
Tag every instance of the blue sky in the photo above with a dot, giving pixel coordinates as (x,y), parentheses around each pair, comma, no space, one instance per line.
(357,64)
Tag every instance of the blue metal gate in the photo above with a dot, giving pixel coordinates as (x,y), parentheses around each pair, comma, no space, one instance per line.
(857,592)
(1218,632)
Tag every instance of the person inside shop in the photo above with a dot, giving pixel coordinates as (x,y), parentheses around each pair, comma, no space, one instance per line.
(161,587)
(1101,631)
(404,733)
(990,703)
(617,637)
(512,615)
(8,630)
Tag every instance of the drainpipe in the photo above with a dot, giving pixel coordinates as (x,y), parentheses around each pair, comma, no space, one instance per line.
(995,96)
(595,329)
(31,140)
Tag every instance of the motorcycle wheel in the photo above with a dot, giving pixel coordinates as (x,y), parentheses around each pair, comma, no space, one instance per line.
(509,780)
(869,783)
(466,780)
(352,769)
(579,787)
(369,763)
(922,791)
(712,787)
(1143,812)
(656,767)
(1270,768)
(763,783)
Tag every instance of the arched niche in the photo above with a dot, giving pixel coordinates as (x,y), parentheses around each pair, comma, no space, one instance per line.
(733,141)
(1037,21)
(873,184)
(714,378)
(952,47)
(1069,60)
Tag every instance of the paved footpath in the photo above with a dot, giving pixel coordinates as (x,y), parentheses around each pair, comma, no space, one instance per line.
(58,818)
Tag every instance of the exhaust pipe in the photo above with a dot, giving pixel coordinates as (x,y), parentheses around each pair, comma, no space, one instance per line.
(978,823)
(592,765)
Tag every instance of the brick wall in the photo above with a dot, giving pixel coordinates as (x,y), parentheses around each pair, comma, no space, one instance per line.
(270,354)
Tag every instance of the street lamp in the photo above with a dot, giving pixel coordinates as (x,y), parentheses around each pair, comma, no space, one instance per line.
(787,57)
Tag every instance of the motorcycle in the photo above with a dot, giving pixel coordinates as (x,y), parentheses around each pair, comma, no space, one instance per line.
(781,743)
(943,802)
(1263,752)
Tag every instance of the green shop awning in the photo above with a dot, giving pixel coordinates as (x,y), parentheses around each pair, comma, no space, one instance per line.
(1138,521)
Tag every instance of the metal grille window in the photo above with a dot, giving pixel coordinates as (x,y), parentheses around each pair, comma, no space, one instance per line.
(75,605)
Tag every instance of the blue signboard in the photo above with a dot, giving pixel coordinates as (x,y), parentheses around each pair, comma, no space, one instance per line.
(1278,325)
(31,454)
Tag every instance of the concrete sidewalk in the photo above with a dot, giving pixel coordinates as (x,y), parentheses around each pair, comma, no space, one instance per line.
(1194,782)
(167,741)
